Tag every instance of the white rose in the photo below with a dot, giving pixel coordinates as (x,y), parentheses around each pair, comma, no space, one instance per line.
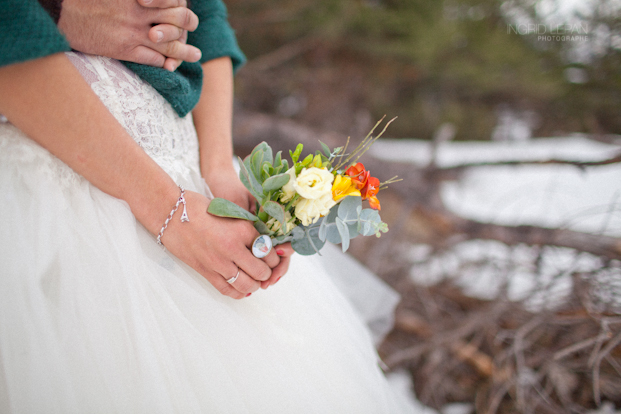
(288,191)
(309,211)
(274,225)
(313,183)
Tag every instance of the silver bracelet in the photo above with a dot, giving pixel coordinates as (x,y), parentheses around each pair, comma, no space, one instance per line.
(184,216)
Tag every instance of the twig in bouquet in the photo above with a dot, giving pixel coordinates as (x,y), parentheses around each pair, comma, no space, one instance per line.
(364,145)
(343,152)
(371,140)
(395,179)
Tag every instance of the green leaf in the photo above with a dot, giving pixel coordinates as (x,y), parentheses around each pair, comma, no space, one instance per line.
(250,181)
(371,223)
(344,232)
(276,182)
(225,208)
(278,160)
(266,171)
(326,149)
(348,208)
(267,151)
(306,162)
(295,156)
(256,162)
(277,211)
(309,244)
(262,228)
(297,232)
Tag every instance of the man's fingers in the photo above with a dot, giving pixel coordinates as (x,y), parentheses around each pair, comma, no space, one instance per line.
(147,56)
(171,64)
(177,16)
(163,4)
(178,50)
(163,33)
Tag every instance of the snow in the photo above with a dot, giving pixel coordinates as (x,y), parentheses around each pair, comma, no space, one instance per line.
(554,196)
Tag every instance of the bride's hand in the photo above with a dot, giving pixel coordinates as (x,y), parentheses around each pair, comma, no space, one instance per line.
(225,183)
(218,247)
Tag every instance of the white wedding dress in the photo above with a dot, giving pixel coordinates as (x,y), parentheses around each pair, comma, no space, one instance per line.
(95,317)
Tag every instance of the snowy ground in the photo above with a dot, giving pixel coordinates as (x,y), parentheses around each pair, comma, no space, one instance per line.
(554,196)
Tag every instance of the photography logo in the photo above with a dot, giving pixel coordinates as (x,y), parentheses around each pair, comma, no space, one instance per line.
(552,33)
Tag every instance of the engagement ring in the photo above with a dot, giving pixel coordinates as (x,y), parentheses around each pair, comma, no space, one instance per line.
(233,279)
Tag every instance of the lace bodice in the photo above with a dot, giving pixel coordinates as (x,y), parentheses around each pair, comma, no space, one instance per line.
(148,118)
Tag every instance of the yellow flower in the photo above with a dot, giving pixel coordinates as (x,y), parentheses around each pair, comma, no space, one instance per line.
(343,187)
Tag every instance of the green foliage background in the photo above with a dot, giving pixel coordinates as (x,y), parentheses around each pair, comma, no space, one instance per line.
(426,61)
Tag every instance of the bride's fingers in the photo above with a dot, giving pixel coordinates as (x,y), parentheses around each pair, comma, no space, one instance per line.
(242,283)
(278,272)
(257,269)
(272,258)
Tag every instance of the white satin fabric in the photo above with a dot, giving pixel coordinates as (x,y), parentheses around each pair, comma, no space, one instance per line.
(95,317)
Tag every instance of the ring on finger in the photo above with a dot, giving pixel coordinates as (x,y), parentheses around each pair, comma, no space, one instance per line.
(262,246)
(233,279)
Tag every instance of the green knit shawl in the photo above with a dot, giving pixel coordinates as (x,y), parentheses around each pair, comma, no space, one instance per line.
(28,32)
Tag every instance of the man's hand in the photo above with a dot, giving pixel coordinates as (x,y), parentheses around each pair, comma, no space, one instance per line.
(151,32)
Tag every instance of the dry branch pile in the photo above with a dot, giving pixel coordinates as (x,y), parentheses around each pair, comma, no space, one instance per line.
(503,358)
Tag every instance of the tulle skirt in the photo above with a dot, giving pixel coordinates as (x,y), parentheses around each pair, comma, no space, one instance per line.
(95,317)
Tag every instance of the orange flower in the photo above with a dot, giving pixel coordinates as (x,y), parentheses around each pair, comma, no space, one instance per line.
(369,192)
(359,175)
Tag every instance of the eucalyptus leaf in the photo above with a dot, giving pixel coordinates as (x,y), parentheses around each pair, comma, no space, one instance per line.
(277,211)
(309,244)
(225,208)
(371,223)
(276,182)
(348,208)
(344,232)
(281,239)
(297,232)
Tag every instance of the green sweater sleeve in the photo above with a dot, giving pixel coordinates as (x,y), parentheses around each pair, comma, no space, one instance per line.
(215,38)
(28,32)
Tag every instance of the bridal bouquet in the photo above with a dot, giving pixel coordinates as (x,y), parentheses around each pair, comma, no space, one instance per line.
(318,198)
